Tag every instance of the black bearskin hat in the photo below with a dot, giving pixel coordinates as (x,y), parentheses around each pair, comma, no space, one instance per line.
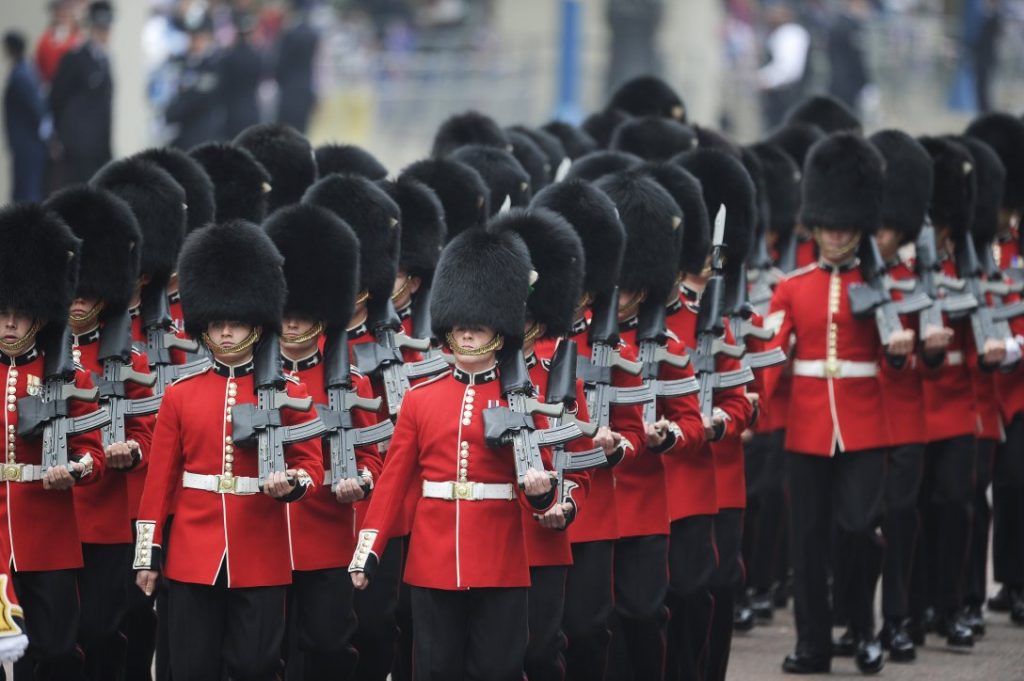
(908,182)
(781,187)
(193,179)
(991,176)
(594,217)
(576,142)
(826,112)
(547,143)
(38,263)
(844,184)
(653,225)
(752,164)
(482,279)
(556,254)
(240,182)
(321,262)
(231,270)
(602,124)
(533,160)
(375,219)
(423,229)
(653,138)
(158,203)
(470,127)
(111,243)
(463,193)
(796,139)
(686,191)
(504,176)
(597,164)
(1005,134)
(284,153)
(724,180)
(955,188)
(709,138)
(648,96)
(348,159)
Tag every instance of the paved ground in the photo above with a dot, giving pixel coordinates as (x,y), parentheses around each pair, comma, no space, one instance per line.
(998,656)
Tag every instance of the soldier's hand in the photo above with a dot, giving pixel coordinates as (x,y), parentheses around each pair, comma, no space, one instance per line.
(994,352)
(360,581)
(754,399)
(146,581)
(538,483)
(555,517)
(277,484)
(656,432)
(936,339)
(607,439)
(712,425)
(119,454)
(901,343)
(349,490)
(59,477)
(746,436)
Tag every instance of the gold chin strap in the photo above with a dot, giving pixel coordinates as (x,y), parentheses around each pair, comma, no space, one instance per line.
(584,302)
(247,343)
(15,348)
(362,297)
(844,252)
(313,332)
(88,316)
(492,345)
(531,333)
(630,308)
(402,290)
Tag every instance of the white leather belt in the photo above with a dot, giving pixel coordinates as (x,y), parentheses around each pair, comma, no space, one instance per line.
(221,484)
(837,368)
(955,358)
(20,472)
(468,491)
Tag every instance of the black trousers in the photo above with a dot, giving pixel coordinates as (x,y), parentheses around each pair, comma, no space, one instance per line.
(901,526)
(474,635)
(975,586)
(216,631)
(321,618)
(588,605)
(52,616)
(377,632)
(103,585)
(692,559)
(1008,507)
(726,580)
(640,616)
(145,627)
(940,562)
(846,491)
(545,651)
(765,519)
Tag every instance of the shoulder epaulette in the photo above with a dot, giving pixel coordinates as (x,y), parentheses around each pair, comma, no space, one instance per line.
(198,372)
(802,270)
(430,381)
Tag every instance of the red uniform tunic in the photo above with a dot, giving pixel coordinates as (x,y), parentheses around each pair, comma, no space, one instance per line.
(949,404)
(826,413)
(552,547)
(806,252)
(692,474)
(902,393)
(1010,385)
(247,534)
(41,526)
(322,531)
(455,544)
(104,514)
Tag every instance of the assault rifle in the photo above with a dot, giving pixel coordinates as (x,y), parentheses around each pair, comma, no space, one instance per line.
(161,339)
(935,284)
(115,354)
(561,390)
(872,298)
(651,339)
(740,311)
(988,322)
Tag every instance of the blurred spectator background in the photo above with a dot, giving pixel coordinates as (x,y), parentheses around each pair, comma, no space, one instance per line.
(384,73)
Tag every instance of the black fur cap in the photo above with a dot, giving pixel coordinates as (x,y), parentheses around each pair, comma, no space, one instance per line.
(240,182)
(284,153)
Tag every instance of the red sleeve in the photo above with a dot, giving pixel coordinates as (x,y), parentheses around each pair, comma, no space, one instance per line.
(780,318)
(367,457)
(628,419)
(86,444)
(733,401)
(547,460)
(306,456)
(140,428)
(578,491)
(167,463)
(682,412)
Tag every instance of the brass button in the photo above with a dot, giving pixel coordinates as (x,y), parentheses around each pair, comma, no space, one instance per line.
(470,392)
(228,449)
(465,422)
(230,458)
(231,401)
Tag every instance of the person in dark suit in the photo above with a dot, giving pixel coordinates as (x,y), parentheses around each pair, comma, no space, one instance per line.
(195,110)
(241,68)
(24,113)
(81,100)
(293,70)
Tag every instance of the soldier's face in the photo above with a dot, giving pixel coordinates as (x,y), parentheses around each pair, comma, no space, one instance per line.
(888,241)
(296,328)
(473,337)
(227,334)
(82,313)
(14,326)
(836,244)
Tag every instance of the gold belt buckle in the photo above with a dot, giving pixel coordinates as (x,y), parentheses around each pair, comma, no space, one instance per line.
(462,491)
(226,485)
(832,368)
(12,472)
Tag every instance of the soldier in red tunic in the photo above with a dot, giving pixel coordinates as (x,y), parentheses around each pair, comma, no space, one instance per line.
(99,319)
(467,563)
(836,462)
(321,269)
(39,266)
(228,563)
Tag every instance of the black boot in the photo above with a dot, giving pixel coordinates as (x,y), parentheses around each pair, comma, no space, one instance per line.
(845,645)
(1002,601)
(761,604)
(742,617)
(897,640)
(801,663)
(958,634)
(915,629)
(1017,610)
(868,655)
(972,618)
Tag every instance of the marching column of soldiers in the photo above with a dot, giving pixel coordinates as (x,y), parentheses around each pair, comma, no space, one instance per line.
(554,402)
